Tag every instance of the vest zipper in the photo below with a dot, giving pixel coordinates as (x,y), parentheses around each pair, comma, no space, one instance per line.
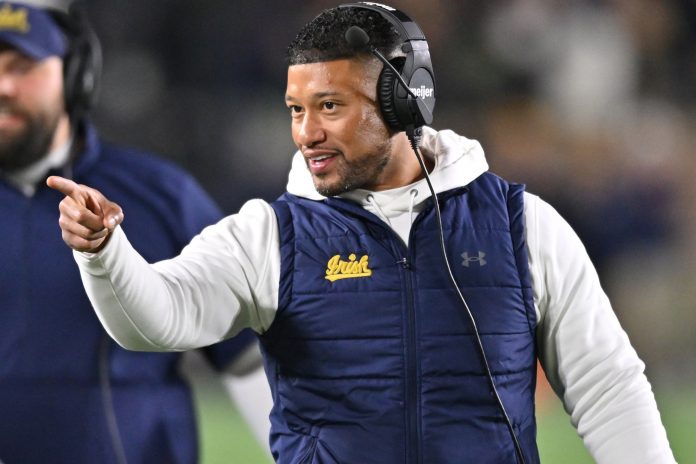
(412,385)
(411,381)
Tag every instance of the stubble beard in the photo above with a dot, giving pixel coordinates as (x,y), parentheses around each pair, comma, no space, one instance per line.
(362,173)
(23,148)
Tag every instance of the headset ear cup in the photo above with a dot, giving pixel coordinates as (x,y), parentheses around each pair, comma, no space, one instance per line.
(386,89)
(70,74)
(79,78)
(82,63)
(386,97)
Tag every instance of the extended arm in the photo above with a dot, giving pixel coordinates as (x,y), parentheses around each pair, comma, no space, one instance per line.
(223,281)
(585,353)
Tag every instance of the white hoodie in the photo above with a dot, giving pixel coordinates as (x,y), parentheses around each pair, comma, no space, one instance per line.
(227,279)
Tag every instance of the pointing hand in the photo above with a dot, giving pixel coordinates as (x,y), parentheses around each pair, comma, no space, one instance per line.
(87,217)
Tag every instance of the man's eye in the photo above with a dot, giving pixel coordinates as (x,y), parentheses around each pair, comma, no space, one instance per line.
(330,105)
(295,109)
(22,66)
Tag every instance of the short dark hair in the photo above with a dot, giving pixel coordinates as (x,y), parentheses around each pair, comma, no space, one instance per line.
(323,38)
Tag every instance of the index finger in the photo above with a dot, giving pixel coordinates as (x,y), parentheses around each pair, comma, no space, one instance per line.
(63,185)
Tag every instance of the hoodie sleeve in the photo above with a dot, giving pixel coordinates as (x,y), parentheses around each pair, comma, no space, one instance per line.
(226,279)
(585,353)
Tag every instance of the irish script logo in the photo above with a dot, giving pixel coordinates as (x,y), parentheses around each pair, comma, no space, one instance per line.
(337,269)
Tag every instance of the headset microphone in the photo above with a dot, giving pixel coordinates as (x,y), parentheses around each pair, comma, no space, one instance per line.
(358,38)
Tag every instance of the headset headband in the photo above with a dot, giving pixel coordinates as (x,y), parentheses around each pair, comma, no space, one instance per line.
(405,26)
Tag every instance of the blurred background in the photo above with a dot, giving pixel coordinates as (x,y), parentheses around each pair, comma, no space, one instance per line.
(590,103)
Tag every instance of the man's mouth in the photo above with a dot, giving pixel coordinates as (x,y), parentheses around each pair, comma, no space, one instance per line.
(9,119)
(318,161)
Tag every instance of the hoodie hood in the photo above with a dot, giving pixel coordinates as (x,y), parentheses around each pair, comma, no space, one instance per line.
(458,161)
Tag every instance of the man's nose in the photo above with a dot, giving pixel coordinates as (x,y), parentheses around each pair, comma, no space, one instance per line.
(311,131)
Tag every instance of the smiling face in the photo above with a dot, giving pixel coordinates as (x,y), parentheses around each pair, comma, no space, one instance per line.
(337,125)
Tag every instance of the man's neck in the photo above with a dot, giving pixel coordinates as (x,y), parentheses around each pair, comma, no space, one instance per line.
(28,178)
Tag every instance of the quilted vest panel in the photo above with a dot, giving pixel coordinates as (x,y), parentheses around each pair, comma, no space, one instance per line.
(372,357)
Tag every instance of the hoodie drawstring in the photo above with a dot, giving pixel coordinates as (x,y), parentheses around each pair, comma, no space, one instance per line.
(413,193)
(370,199)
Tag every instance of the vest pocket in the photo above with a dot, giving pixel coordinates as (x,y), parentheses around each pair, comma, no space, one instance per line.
(314,450)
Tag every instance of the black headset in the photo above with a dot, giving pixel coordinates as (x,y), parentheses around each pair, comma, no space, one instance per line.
(397,105)
(82,64)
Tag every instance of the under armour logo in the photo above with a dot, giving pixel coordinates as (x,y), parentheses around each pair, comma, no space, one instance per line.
(473,259)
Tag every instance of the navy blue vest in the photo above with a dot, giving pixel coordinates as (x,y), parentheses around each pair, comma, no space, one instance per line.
(371,357)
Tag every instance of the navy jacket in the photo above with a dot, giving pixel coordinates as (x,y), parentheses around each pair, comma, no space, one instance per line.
(62,379)
(371,357)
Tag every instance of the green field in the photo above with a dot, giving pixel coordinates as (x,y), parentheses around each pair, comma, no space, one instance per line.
(226,440)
